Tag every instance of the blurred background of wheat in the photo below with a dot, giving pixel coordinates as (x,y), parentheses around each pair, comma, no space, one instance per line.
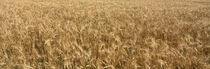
(105,34)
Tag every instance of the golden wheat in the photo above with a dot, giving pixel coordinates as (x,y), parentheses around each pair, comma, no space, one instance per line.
(104,34)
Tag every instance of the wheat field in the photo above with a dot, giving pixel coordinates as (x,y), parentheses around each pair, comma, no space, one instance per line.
(104,34)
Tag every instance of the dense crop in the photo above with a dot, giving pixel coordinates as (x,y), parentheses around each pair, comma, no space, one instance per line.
(105,34)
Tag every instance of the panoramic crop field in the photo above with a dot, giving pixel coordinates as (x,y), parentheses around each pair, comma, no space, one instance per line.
(104,34)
